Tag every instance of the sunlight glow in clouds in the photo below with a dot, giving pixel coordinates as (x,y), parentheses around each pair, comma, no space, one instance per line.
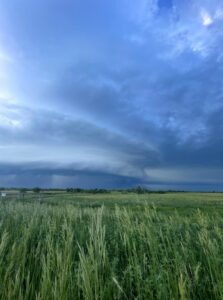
(206,18)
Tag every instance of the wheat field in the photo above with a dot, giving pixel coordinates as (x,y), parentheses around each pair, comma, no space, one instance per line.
(115,246)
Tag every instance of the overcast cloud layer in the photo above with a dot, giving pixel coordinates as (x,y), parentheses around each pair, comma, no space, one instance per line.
(111,93)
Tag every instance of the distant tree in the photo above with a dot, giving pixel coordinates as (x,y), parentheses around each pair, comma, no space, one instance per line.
(36,190)
(140,190)
(161,192)
(97,191)
(74,190)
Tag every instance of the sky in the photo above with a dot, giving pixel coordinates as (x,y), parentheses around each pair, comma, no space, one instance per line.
(111,94)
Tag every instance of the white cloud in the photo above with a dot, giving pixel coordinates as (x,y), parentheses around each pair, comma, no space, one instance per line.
(206,18)
(9,117)
(187,27)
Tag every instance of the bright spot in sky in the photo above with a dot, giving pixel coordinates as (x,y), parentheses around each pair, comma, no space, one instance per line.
(4,56)
(206,18)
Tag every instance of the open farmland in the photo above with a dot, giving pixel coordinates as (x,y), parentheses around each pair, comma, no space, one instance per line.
(111,246)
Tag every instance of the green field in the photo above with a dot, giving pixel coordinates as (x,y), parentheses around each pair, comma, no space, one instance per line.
(111,246)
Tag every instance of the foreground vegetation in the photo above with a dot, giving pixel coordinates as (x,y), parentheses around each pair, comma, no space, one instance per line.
(111,246)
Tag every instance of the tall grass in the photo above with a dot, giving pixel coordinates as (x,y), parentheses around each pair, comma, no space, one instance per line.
(71,252)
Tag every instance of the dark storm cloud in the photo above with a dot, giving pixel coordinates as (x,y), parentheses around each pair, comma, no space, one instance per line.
(64,148)
(46,175)
(51,128)
(178,103)
(51,138)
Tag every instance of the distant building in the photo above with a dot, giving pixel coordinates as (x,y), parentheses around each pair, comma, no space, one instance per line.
(3,194)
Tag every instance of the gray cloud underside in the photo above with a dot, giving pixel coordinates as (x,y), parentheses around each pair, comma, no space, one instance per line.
(56,146)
